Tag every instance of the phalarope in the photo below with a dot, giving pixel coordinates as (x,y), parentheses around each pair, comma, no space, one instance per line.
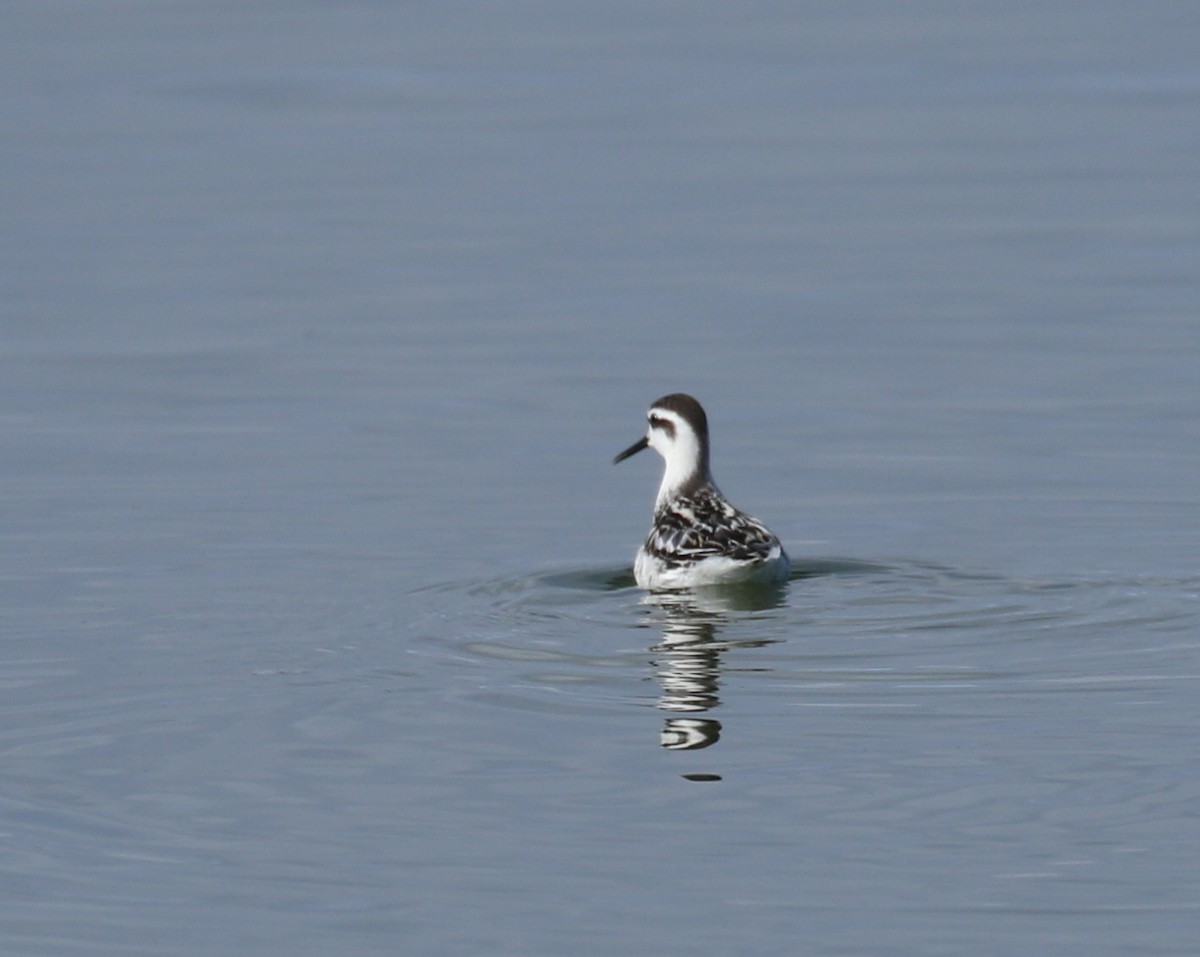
(697,538)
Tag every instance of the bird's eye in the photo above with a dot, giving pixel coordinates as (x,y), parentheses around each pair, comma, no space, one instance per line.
(664,425)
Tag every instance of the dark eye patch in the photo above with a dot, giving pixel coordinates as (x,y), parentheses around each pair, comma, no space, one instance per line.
(658,422)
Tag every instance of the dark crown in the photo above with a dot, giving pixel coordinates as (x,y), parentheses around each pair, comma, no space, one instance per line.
(687,409)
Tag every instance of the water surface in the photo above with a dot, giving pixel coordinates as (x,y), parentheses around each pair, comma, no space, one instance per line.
(321,328)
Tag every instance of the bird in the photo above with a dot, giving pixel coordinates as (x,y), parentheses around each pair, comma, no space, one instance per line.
(697,538)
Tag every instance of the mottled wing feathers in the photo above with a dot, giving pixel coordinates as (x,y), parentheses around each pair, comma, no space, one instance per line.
(703,525)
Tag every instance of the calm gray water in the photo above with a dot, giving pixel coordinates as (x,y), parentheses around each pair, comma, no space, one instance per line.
(321,326)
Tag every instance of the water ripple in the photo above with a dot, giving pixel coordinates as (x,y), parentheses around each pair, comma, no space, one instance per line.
(843,634)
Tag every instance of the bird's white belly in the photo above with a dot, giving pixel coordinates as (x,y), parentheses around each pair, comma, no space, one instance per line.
(653,573)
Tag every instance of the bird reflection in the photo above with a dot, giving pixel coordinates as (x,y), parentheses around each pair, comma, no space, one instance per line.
(688,658)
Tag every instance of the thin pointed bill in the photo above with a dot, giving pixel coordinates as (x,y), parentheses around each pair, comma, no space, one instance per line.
(632,450)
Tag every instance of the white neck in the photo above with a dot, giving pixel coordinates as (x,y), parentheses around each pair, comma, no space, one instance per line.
(683,467)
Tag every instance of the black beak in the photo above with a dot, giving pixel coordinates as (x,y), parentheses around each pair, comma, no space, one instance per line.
(632,450)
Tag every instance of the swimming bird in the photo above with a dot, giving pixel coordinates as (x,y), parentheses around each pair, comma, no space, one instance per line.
(697,538)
